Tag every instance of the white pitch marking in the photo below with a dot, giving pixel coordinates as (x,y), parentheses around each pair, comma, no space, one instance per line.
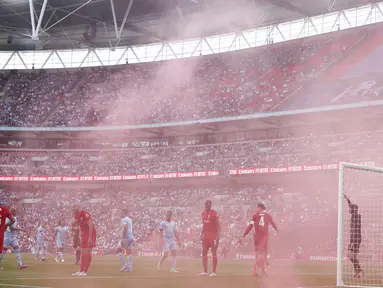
(152,277)
(317,286)
(23,286)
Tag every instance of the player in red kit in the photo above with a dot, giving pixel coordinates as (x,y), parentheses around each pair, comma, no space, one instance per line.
(4,214)
(260,221)
(88,238)
(211,230)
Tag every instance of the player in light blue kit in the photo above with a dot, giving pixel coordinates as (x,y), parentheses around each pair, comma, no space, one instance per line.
(41,241)
(11,241)
(61,232)
(169,235)
(126,243)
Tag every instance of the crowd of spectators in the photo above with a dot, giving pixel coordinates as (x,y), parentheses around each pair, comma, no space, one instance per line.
(344,91)
(293,212)
(30,97)
(230,84)
(330,149)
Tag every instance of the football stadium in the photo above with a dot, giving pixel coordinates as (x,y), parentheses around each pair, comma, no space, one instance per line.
(255,161)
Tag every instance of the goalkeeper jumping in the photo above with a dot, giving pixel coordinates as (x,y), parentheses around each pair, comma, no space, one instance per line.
(355,236)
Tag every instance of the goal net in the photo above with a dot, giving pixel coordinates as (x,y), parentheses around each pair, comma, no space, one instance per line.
(360,238)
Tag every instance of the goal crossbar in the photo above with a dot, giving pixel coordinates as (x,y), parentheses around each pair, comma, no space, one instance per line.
(342,166)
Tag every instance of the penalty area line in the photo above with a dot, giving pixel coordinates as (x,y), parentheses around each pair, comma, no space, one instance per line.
(22,286)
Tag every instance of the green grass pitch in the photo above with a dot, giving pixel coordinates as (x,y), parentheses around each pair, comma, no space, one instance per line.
(105,273)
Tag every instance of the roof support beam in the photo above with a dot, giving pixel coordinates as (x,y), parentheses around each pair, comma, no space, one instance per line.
(180,13)
(66,16)
(32,12)
(121,28)
(50,18)
(118,36)
(42,12)
(114,16)
(333,3)
(124,19)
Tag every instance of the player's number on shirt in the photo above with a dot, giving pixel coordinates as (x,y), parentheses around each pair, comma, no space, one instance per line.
(261,222)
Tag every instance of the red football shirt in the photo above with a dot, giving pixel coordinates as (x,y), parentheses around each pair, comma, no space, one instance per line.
(4,214)
(261,222)
(210,222)
(82,218)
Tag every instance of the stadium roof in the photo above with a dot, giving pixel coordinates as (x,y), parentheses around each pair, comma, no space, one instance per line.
(103,23)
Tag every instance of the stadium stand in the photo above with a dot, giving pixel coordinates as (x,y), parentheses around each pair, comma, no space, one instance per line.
(357,147)
(230,84)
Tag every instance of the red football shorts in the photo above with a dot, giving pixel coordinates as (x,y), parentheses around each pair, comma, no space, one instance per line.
(209,241)
(261,244)
(85,240)
(1,243)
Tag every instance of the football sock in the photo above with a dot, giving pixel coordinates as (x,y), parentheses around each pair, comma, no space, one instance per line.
(163,258)
(18,257)
(130,261)
(89,261)
(2,254)
(122,258)
(261,263)
(215,262)
(204,260)
(86,262)
(174,261)
(83,261)
(355,262)
(43,253)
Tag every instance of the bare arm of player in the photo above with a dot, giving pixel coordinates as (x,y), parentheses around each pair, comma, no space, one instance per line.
(177,235)
(71,228)
(90,225)
(161,236)
(247,231)
(203,231)
(124,231)
(12,219)
(272,223)
(55,235)
(45,237)
(15,229)
(348,200)
(219,229)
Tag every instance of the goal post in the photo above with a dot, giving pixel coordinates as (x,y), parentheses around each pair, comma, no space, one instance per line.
(339,266)
(363,185)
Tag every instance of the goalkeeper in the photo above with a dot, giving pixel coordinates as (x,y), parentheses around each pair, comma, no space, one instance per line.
(355,236)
